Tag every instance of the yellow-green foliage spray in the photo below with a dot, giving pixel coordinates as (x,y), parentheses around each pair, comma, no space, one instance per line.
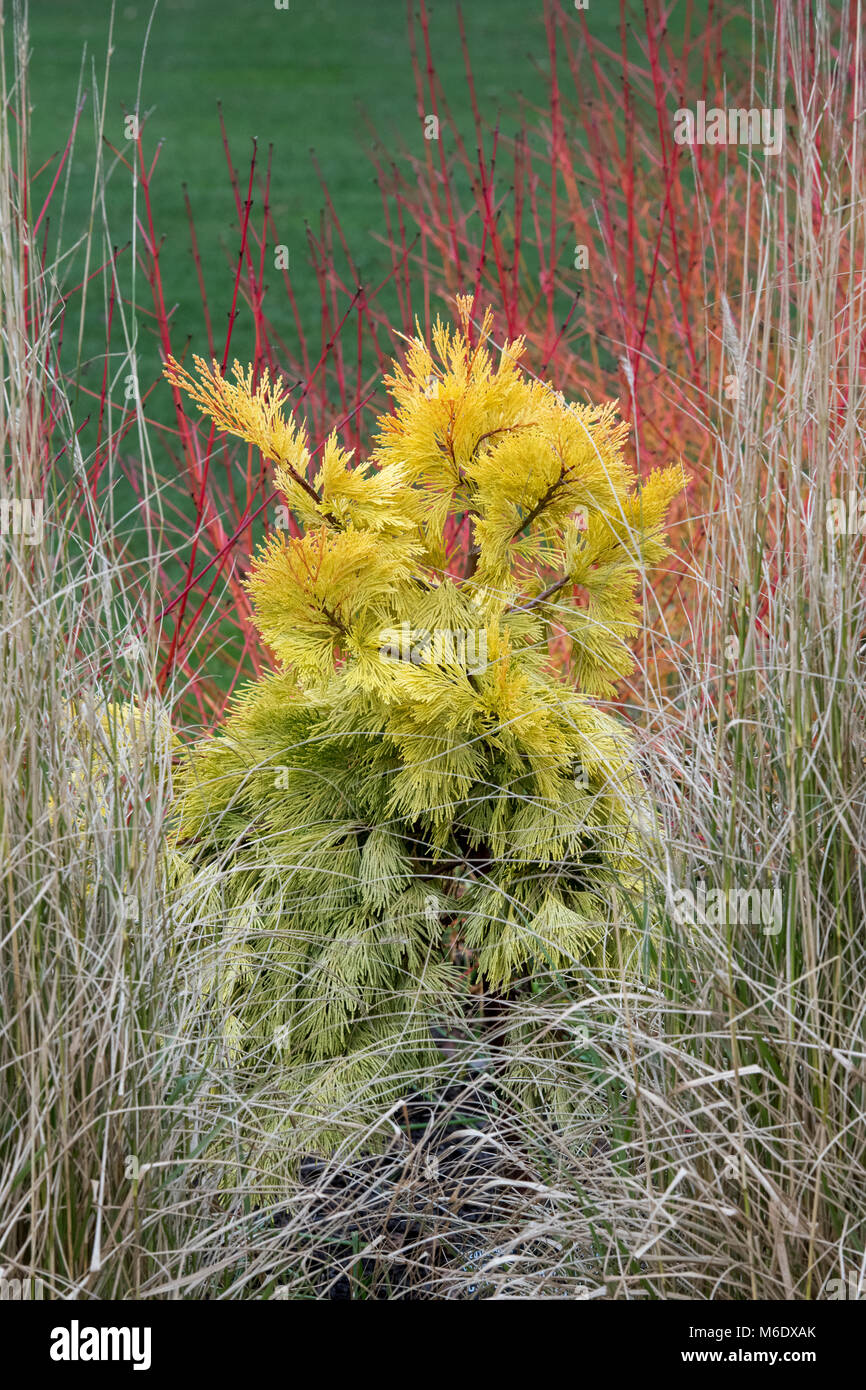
(415,776)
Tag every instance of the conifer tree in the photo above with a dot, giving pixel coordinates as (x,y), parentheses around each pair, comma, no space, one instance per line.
(414,771)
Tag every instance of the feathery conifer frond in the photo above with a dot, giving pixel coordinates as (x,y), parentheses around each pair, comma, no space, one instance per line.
(415,776)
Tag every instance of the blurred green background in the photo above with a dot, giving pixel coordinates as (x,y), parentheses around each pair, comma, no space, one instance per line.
(321,75)
(300,78)
(309,76)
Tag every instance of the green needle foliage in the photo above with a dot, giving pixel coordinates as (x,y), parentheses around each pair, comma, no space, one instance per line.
(415,784)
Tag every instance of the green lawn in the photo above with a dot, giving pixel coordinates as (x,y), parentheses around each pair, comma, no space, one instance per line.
(297,79)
